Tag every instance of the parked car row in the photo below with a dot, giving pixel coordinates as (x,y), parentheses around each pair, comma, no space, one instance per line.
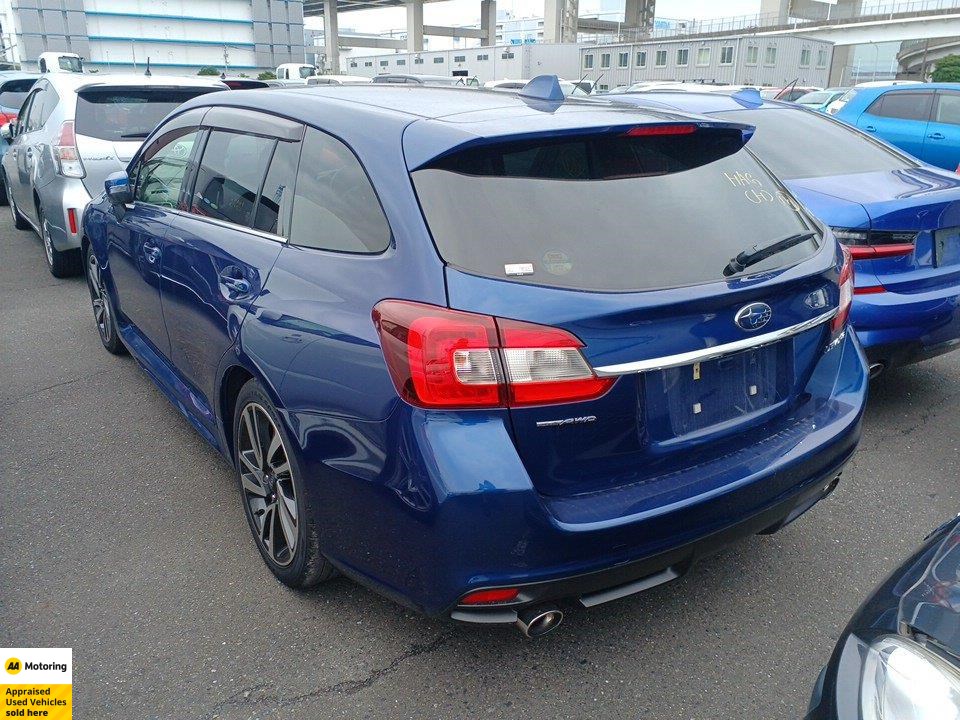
(493,410)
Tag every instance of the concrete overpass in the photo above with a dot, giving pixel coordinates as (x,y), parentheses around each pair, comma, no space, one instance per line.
(560,24)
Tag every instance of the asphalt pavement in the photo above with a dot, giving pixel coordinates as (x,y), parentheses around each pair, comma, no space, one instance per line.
(122,536)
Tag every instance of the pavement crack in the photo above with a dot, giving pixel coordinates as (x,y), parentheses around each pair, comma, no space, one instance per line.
(258,695)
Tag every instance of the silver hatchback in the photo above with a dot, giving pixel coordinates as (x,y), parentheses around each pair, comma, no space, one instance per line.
(73,130)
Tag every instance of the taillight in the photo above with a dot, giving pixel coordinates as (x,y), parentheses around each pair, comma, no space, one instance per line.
(72,220)
(6,117)
(846,293)
(65,152)
(876,244)
(441,358)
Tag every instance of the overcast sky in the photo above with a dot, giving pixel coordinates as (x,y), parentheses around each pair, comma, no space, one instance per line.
(467,12)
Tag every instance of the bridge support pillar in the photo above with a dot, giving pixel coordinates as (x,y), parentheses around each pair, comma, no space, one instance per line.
(414,25)
(331,36)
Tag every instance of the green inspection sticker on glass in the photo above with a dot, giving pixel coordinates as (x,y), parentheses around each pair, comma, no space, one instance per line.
(946,246)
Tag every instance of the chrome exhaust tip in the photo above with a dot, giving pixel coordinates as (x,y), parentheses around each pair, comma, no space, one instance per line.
(876,369)
(536,622)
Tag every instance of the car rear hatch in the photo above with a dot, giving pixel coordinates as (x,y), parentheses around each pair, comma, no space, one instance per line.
(112,122)
(909,240)
(620,237)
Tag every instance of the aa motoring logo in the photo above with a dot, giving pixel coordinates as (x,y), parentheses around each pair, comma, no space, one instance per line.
(12,665)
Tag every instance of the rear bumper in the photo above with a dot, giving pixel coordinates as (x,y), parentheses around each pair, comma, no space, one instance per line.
(896,329)
(621,581)
(56,198)
(454,510)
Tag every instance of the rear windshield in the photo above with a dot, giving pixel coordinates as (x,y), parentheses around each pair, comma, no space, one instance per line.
(128,114)
(815,98)
(14,92)
(804,144)
(608,213)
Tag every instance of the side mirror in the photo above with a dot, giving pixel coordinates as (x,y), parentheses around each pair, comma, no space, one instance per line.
(117,187)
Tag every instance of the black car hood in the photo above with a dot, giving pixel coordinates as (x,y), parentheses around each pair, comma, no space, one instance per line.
(932,604)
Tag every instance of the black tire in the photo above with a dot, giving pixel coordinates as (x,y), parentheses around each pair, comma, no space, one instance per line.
(103,314)
(304,567)
(62,263)
(19,222)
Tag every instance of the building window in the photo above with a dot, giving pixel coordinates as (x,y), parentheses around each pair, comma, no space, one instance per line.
(588,61)
(726,55)
(805,57)
(401,62)
(753,52)
(437,60)
(353,64)
(539,23)
(507,55)
(703,56)
(661,58)
(770,55)
(641,59)
(683,57)
(418,61)
(483,57)
(384,63)
(369,63)
(623,59)
(604,60)
(821,58)
(459,58)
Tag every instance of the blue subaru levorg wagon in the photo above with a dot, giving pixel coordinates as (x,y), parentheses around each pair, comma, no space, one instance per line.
(487,353)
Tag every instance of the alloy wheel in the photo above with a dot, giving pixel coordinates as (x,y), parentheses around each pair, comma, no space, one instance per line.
(47,241)
(98,297)
(13,207)
(267,481)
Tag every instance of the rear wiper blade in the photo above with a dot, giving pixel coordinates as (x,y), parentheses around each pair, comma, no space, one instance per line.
(751,256)
(134,135)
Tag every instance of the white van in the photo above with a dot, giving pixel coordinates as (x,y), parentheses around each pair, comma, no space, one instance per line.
(295,73)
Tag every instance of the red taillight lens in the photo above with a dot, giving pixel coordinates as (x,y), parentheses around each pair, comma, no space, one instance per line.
(869,290)
(876,244)
(441,358)
(646,130)
(490,597)
(72,220)
(846,293)
(7,117)
(65,152)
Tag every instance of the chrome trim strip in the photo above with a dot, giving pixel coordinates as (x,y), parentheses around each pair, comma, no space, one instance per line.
(225,224)
(711,353)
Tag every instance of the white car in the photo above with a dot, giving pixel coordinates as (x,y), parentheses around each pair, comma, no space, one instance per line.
(338,80)
(835,107)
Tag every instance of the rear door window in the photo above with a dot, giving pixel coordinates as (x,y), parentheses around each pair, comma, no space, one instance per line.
(609,213)
(276,200)
(948,108)
(903,105)
(127,114)
(230,176)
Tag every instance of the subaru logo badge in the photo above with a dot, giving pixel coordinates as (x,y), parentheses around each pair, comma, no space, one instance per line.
(753,316)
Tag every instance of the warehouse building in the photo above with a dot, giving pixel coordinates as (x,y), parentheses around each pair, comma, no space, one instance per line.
(178,36)
(747,60)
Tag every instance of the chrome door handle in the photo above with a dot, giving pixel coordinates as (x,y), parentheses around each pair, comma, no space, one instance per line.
(870,128)
(151,252)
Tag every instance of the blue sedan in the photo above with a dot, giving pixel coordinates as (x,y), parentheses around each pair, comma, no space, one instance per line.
(921,119)
(900,218)
(441,364)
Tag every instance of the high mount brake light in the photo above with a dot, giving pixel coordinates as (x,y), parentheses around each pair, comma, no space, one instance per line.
(441,358)
(846,293)
(646,130)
